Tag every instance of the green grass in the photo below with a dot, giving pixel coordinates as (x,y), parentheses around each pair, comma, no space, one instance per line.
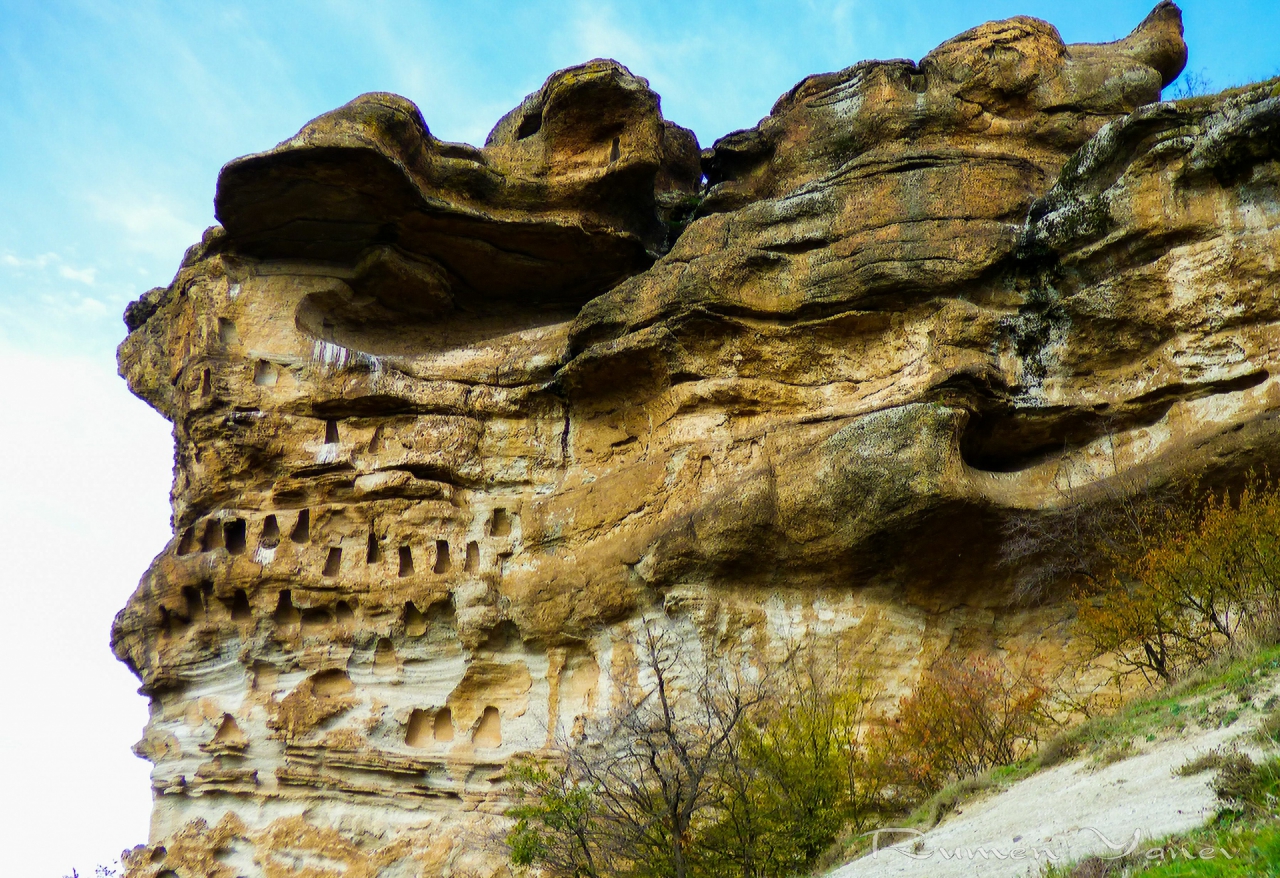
(1172,709)
(1215,696)
(1244,840)
(1254,853)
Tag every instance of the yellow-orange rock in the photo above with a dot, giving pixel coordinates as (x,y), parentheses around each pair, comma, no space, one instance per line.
(451,422)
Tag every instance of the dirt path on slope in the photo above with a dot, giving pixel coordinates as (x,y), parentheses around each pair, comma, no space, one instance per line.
(1063,814)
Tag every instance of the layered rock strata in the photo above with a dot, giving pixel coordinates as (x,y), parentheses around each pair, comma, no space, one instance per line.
(450,422)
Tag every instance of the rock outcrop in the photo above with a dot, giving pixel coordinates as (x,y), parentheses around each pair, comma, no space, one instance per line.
(450,422)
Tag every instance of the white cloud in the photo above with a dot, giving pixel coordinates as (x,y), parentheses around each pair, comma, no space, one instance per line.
(71,303)
(20,262)
(86,276)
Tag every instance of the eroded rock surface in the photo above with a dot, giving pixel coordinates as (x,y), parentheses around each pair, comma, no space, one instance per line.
(450,422)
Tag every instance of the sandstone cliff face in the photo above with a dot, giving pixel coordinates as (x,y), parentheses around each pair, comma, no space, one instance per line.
(451,422)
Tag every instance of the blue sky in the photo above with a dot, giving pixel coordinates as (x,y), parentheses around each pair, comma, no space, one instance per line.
(115,117)
(114,120)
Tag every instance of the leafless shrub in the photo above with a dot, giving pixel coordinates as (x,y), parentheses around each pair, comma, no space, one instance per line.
(706,766)
(1191,84)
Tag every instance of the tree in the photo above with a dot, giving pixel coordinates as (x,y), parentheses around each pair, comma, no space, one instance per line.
(965,716)
(629,797)
(1204,578)
(704,769)
(796,774)
(1191,84)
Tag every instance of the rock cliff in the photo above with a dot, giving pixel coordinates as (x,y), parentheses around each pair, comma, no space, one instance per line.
(450,421)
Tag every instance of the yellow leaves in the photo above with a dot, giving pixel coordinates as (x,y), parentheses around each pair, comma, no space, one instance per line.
(966,715)
(1203,576)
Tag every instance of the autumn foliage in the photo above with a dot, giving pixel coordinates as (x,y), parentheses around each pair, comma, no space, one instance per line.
(701,772)
(964,717)
(1203,579)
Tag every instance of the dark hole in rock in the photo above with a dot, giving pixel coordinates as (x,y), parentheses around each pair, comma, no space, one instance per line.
(212,537)
(286,613)
(614,151)
(195,603)
(406,561)
(331,432)
(1002,438)
(442,613)
(505,635)
(415,624)
(489,732)
(187,544)
(327,684)
(444,724)
(302,530)
(418,732)
(166,621)
(333,562)
(384,657)
(270,533)
(265,374)
(443,564)
(343,613)
(373,554)
(529,125)
(315,620)
(472,563)
(240,609)
(500,523)
(233,533)
(206,383)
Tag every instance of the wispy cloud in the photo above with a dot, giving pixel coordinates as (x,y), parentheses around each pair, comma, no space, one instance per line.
(149,223)
(71,303)
(44,263)
(86,276)
(44,259)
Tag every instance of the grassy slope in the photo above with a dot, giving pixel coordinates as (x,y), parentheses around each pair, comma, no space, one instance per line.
(1245,837)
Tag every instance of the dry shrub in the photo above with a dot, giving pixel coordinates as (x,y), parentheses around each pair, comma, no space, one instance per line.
(1060,748)
(964,717)
(1247,786)
(1268,731)
(1200,582)
(1207,761)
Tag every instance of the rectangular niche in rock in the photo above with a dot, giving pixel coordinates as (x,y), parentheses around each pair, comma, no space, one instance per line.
(333,562)
(213,536)
(443,564)
(500,523)
(302,529)
(233,533)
